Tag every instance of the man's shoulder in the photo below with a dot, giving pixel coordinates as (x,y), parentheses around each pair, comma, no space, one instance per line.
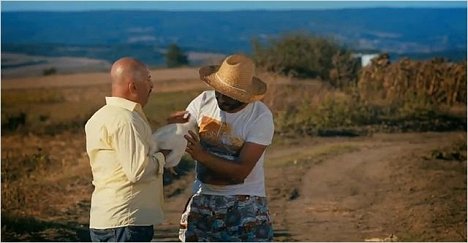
(205,97)
(208,94)
(111,114)
(261,108)
(116,111)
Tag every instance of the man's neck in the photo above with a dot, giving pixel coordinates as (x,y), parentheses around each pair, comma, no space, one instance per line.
(238,109)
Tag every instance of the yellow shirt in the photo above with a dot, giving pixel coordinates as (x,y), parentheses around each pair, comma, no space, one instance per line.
(127,173)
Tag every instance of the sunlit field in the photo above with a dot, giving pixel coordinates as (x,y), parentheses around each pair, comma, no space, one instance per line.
(361,171)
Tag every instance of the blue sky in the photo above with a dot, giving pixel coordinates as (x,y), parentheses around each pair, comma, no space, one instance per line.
(213,5)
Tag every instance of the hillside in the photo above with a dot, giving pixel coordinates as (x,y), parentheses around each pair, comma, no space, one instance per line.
(145,34)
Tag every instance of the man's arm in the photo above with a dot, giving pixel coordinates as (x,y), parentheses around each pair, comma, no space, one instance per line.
(134,155)
(178,117)
(237,170)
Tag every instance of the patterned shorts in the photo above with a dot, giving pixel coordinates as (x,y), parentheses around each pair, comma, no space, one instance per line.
(226,218)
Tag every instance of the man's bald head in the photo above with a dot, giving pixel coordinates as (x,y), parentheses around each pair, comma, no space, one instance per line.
(125,69)
(131,80)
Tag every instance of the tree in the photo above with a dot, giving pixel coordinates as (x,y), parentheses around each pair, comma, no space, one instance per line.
(301,55)
(49,71)
(175,56)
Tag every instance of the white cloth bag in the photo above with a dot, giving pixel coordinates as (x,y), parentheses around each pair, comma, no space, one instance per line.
(171,137)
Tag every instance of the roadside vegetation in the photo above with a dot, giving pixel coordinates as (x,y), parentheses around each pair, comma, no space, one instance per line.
(327,92)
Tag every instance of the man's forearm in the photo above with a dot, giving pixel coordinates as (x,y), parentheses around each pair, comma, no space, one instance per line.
(234,170)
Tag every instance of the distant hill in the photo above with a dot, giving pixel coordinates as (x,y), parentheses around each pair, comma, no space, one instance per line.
(145,34)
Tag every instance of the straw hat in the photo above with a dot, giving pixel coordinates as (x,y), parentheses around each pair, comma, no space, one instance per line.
(235,78)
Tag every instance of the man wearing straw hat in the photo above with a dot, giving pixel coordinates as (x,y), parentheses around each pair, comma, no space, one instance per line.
(235,128)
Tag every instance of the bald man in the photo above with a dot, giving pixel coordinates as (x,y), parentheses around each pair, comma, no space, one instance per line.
(127,171)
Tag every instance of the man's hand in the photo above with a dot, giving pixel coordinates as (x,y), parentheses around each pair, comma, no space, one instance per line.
(178,117)
(172,170)
(194,147)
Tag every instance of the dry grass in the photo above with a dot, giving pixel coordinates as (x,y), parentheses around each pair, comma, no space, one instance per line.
(40,168)
(91,79)
(305,152)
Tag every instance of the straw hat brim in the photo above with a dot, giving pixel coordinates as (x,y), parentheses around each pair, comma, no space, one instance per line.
(256,91)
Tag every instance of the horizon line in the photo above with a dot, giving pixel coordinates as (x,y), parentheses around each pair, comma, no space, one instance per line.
(223,10)
(220,6)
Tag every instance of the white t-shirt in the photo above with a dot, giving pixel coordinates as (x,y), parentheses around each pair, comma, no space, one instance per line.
(224,134)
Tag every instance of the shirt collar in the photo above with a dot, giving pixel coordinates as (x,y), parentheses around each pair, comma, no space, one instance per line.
(124,103)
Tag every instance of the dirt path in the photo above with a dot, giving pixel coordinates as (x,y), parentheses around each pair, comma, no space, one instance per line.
(336,196)
(373,193)
(372,188)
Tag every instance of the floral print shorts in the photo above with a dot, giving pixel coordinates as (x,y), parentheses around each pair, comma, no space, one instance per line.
(226,218)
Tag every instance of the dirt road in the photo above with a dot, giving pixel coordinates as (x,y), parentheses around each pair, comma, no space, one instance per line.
(384,187)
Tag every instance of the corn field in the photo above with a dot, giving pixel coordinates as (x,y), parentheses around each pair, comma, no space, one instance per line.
(437,81)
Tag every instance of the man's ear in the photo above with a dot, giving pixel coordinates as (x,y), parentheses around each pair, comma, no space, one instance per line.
(131,87)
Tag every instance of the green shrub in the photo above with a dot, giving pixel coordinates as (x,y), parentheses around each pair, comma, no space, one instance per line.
(334,111)
(175,57)
(414,106)
(49,71)
(13,122)
(306,56)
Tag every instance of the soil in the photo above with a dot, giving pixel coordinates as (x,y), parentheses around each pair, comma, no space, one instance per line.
(385,187)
